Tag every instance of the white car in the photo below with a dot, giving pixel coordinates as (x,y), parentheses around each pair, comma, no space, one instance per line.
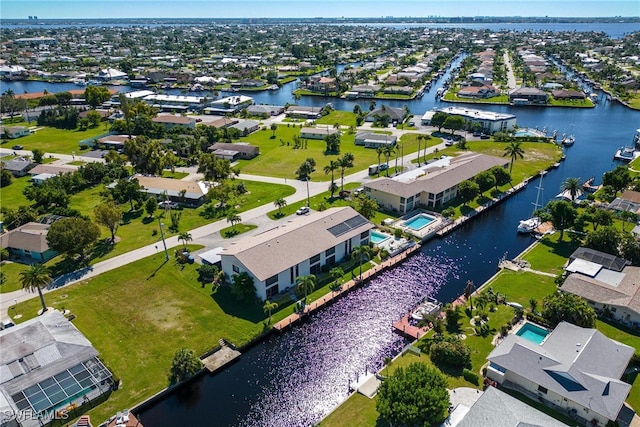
(167,205)
(303,210)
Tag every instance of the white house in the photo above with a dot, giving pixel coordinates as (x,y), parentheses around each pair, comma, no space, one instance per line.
(575,370)
(229,105)
(302,246)
(375,140)
(491,122)
(317,133)
(431,185)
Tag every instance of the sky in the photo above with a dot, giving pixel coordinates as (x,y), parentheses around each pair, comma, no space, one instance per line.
(56,9)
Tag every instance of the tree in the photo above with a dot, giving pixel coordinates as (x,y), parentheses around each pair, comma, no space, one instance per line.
(485,180)
(619,178)
(628,217)
(5,177)
(243,286)
(438,119)
(336,274)
(233,218)
(305,285)
(274,128)
(333,166)
(185,236)
(388,150)
(150,206)
(361,253)
(96,95)
(332,142)
(372,105)
(38,155)
(468,291)
(34,278)
(185,364)
(72,236)
(468,190)
(346,162)
(501,176)
(563,306)
(268,307)
(563,214)
(605,239)
(109,215)
(366,206)
(454,123)
(127,190)
(572,187)
(630,248)
(414,396)
(306,168)
(214,168)
(280,203)
(513,150)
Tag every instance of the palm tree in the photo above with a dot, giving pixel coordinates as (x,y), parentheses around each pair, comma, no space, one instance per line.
(333,166)
(571,186)
(379,151)
(388,151)
(305,284)
(468,290)
(268,306)
(186,238)
(35,278)
(346,161)
(280,203)
(336,274)
(513,150)
(234,219)
(398,151)
(362,252)
(420,138)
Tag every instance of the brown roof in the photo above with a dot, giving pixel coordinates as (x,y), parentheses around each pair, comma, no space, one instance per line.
(242,148)
(52,169)
(437,180)
(626,294)
(222,122)
(630,195)
(170,118)
(156,185)
(31,236)
(303,237)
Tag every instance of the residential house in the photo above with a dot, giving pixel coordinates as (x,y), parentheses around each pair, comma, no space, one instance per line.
(375,140)
(317,133)
(265,110)
(235,151)
(42,172)
(111,74)
(18,166)
(489,121)
(229,105)
(574,370)
(528,96)
(49,368)
(322,84)
(246,126)
(565,94)
(29,241)
(629,200)
(173,189)
(363,91)
(484,91)
(170,121)
(400,90)
(395,114)
(298,111)
(110,142)
(12,132)
(179,103)
(305,245)
(431,185)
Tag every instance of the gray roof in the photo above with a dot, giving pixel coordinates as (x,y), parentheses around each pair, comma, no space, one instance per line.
(435,181)
(625,294)
(376,137)
(496,408)
(606,260)
(31,236)
(241,148)
(570,363)
(393,112)
(18,164)
(303,237)
(39,349)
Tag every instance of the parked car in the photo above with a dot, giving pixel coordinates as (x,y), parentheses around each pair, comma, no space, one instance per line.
(17,147)
(167,205)
(412,123)
(303,210)
(448,142)
(484,136)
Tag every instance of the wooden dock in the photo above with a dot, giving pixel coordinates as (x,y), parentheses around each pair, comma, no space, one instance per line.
(296,317)
(220,358)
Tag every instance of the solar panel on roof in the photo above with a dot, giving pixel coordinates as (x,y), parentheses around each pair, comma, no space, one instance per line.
(356,221)
(347,225)
(339,229)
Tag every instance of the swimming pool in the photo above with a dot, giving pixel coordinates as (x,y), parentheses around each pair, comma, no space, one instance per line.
(533,333)
(377,237)
(418,222)
(528,132)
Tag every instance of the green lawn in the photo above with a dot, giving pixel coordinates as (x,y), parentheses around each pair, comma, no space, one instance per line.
(138,315)
(357,411)
(11,271)
(236,230)
(174,175)
(316,202)
(550,255)
(53,140)
(11,196)
(521,286)
(343,118)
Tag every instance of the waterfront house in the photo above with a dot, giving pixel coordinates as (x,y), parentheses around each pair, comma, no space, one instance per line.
(49,368)
(265,110)
(375,140)
(574,370)
(176,103)
(317,133)
(111,74)
(170,121)
(473,91)
(431,185)
(568,94)
(528,96)
(321,84)
(489,121)
(395,114)
(246,126)
(629,200)
(28,242)
(229,105)
(12,132)
(298,111)
(234,151)
(306,244)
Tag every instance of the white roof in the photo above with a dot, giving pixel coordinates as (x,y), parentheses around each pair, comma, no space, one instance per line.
(585,267)
(212,256)
(477,114)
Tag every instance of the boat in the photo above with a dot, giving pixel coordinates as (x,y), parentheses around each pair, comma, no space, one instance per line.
(626,154)
(636,139)
(567,140)
(530,225)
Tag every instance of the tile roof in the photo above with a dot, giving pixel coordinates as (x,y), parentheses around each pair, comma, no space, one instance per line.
(274,251)
(31,236)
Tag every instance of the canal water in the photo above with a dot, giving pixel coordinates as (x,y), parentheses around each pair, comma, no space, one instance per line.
(297,378)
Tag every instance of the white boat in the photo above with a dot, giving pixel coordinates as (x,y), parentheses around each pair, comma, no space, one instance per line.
(568,140)
(626,154)
(530,225)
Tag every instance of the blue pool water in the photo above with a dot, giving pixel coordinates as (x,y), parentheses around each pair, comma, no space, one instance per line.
(418,222)
(533,333)
(378,237)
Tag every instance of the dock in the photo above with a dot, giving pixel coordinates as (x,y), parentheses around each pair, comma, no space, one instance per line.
(224,355)
(328,299)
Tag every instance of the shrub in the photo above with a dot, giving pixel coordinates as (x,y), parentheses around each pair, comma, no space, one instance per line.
(453,353)
(471,376)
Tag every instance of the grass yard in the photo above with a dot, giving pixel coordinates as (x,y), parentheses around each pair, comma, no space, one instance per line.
(521,286)
(11,196)
(232,231)
(343,118)
(317,200)
(138,315)
(174,175)
(53,140)
(357,411)
(11,271)
(549,254)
